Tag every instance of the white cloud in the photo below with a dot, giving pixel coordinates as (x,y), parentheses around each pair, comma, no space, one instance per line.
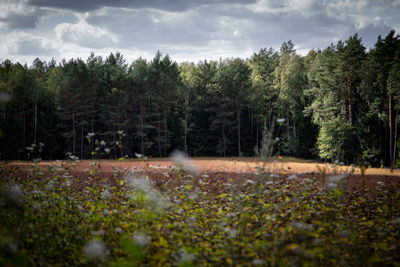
(22,43)
(84,34)
(196,30)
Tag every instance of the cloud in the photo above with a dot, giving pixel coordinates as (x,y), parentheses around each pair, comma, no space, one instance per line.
(188,30)
(24,44)
(15,15)
(84,34)
(90,5)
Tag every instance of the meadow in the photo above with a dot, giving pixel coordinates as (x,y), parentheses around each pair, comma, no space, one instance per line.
(201,212)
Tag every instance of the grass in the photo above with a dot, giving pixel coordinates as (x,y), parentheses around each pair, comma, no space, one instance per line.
(180,219)
(249,164)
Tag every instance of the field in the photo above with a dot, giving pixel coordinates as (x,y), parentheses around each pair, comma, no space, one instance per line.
(201,212)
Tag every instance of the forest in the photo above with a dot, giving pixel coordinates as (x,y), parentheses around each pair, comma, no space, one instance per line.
(340,104)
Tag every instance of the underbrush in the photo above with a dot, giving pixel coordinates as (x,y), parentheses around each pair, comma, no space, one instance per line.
(183,219)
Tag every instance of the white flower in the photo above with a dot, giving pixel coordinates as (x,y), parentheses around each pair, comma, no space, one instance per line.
(14,194)
(185,257)
(140,239)
(302,226)
(232,233)
(258,262)
(95,250)
(152,197)
(249,182)
(102,143)
(107,150)
(98,233)
(105,194)
(281,120)
(182,160)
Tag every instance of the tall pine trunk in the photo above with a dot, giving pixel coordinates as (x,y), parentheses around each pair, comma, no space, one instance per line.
(395,140)
(159,136)
(35,123)
(349,100)
(288,132)
(390,128)
(165,129)
(24,129)
(186,125)
(73,133)
(257,135)
(142,107)
(238,129)
(223,140)
(82,140)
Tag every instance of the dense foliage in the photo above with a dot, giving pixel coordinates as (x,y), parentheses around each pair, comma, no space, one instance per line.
(341,103)
(183,219)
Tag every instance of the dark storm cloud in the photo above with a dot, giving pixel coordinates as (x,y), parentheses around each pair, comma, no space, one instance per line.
(151,28)
(187,29)
(171,5)
(33,46)
(27,20)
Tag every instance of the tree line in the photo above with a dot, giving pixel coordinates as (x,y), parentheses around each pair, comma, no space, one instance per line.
(340,103)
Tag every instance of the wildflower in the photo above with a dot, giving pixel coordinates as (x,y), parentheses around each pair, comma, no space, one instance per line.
(232,233)
(281,120)
(182,160)
(258,262)
(274,176)
(95,250)
(105,194)
(118,230)
(107,150)
(140,239)
(36,206)
(185,257)
(98,233)
(143,188)
(395,221)
(102,143)
(12,196)
(249,182)
(302,226)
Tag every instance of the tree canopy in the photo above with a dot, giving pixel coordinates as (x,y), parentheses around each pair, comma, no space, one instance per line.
(340,103)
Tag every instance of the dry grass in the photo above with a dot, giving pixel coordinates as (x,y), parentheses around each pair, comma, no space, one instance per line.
(210,164)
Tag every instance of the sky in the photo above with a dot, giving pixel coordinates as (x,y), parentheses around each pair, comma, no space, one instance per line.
(187,30)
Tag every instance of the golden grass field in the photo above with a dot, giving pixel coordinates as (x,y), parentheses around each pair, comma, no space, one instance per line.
(211,165)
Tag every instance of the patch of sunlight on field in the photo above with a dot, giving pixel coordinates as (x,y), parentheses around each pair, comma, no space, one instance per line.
(217,164)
